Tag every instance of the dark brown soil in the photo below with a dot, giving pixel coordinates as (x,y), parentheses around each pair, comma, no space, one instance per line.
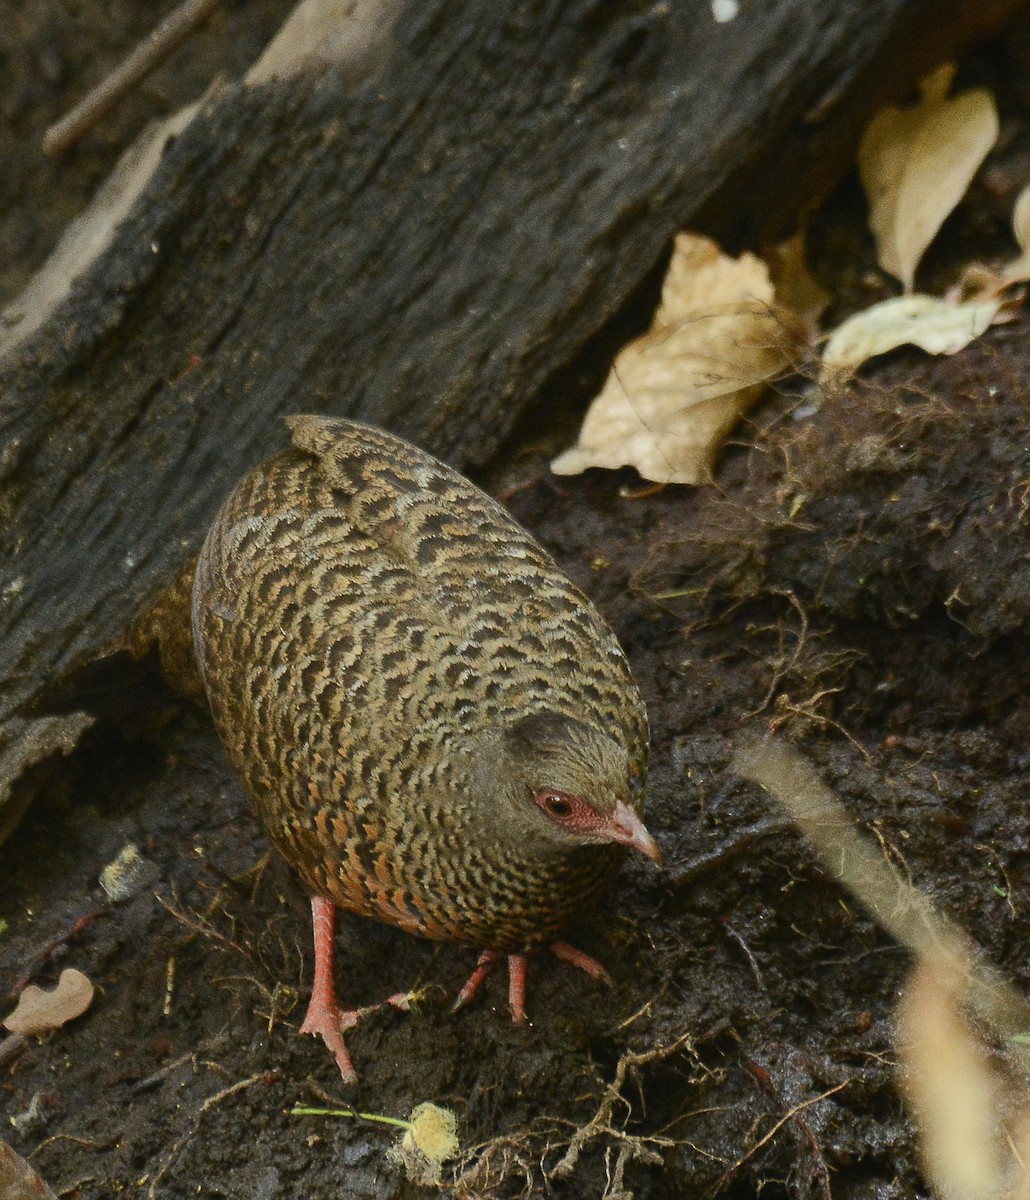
(750,984)
(859,580)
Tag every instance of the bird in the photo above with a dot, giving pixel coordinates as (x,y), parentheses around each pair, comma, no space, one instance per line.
(436,728)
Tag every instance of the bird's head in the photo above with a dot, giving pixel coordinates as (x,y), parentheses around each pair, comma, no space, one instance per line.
(568,784)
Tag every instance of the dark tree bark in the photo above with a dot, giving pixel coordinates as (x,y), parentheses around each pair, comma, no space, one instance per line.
(428,249)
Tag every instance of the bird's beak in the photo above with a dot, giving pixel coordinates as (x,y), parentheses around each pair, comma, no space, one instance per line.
(628,830)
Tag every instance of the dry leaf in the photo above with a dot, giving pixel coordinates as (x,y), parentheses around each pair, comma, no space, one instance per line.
(673,394)
(18,1179)
(1021,219)
(979,282)
(39,1011)
(916,164)
(934,325)
(796,288)
(700,277)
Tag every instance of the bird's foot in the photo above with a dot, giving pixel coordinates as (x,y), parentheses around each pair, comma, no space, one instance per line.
(324,1016)
(328,1021)
(517,976)
(486,963)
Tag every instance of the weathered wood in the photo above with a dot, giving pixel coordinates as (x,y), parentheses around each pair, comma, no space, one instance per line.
(426,249)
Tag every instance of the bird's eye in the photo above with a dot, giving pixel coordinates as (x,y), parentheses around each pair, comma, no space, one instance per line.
(553,803)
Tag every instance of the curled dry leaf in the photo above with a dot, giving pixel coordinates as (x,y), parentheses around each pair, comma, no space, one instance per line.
(916,163)
(1021,219)
(673,394)
(980,282)
(936,326)
(39,1011)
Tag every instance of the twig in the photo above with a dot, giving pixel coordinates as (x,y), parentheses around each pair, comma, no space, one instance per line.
(789,1116)
(166,1008)
(601,1121)
(142,1085)
(738,938)
(150,53)
(47,949)
(303,1110)
(210,1102)
(906,913)
(742,840)
(12,1045)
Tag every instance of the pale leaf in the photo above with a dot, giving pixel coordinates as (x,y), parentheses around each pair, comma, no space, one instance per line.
(40,1010)
(924,321)
(673,394)
(916,163)
(700,277)
(1021,219)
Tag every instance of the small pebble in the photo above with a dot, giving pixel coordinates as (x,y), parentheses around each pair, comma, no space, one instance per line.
(32,1118)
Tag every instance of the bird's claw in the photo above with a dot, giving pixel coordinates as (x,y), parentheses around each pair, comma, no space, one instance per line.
(330,1022)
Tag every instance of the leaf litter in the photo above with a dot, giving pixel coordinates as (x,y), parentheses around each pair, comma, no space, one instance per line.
(727,326)
(934,325)
(40,1010)
(672,395)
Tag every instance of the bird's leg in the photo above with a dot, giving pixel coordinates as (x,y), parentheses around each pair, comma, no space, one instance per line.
(517,976)
(516,983)
(487,962)
(517,988)
(577,958)
(324,1015)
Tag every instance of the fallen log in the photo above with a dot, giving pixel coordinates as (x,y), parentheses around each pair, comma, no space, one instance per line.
(428,235)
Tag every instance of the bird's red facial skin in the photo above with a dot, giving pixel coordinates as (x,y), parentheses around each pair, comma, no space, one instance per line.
(579,817)
(570,812)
